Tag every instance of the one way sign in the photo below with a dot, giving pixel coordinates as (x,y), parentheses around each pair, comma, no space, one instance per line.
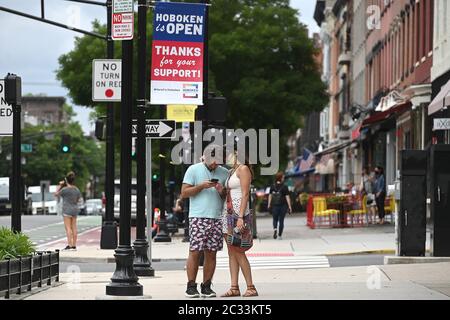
(156,128)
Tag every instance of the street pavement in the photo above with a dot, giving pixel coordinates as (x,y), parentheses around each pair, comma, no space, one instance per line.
(392,282)
(44,230)
(305,264)
(300,247)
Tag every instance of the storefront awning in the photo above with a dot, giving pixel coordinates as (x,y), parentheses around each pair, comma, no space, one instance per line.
(441,100)
(334,148)
(381,116)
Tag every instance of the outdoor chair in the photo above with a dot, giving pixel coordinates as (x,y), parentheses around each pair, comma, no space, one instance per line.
(389,207)
(322,215)
(360,215)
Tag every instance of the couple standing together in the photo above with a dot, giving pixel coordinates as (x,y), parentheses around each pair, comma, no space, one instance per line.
(208,185)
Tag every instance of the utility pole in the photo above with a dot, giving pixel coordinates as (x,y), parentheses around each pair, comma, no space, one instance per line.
(108,238)
(142,265)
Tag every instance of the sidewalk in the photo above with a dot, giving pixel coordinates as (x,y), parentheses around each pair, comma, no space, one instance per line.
(394,282)
(298,240)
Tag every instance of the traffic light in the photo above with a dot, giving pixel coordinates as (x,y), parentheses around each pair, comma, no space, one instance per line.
(100,129)
(155,177)
(133,149)
(65,143)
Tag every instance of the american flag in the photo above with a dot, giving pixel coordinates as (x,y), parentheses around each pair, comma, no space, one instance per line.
(307,160)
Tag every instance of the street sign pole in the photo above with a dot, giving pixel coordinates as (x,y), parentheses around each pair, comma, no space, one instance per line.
(16,214)
(149,204)
(163,232)
(142,265)
(124,281)
(13,96)
(108,239)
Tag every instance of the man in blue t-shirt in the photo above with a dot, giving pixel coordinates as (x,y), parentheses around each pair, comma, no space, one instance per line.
(203,185)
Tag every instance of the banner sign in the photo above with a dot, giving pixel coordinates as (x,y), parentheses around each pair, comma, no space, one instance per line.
(177,53)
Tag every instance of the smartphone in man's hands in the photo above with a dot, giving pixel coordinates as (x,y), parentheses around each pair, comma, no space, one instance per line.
(214,180)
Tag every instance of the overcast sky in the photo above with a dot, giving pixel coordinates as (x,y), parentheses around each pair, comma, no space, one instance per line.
(31,48)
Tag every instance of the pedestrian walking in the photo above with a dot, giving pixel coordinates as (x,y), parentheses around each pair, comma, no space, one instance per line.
(380,192)
(203,184)
(70,196)
(279,204)
(237,227)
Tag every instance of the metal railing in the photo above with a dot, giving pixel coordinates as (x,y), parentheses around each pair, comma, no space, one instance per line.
(27,272)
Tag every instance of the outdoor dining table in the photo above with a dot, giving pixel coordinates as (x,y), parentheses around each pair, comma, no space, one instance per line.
(344,208)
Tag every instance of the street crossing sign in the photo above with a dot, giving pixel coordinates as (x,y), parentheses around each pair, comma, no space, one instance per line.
(122,26)
(106,80)
(6,113)
(156,128)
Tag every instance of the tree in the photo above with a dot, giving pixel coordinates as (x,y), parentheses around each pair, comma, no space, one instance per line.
(47,162)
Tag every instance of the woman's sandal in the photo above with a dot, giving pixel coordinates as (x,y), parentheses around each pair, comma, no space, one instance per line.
(232,292)
(251,292)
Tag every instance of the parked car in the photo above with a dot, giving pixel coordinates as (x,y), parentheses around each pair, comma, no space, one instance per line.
(5,201)
(94,207)
(49,199)
(117,200)
(82,206)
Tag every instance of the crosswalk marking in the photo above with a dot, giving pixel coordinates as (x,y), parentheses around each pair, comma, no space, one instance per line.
(277,262)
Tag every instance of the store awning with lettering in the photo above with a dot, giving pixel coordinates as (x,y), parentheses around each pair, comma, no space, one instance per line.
(441,100)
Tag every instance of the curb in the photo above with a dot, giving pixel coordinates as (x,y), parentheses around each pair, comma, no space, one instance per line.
(34,291)
(113,260)
(385,251)
(108,260)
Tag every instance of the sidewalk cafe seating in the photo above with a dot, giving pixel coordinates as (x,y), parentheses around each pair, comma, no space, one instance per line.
(360,214)
(389,207)
(322,215)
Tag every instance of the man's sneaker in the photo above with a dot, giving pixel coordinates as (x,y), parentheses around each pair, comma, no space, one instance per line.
(275,233)
(67,248)
(280,238)
(206,290)
(191,291)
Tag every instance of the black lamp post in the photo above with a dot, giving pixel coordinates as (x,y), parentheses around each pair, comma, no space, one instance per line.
(124,281)
(142,265)
(108,238)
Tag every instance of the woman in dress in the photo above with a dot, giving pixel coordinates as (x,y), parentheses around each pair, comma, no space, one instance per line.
(70,196)
(238,216)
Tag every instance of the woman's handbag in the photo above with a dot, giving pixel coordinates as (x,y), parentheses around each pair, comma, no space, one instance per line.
(240,239)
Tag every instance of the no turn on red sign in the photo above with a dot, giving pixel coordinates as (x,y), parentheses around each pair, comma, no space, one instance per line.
(6,113)
(122,26)
(106,79)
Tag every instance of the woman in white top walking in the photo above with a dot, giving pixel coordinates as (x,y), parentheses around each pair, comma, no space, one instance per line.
(238,216)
